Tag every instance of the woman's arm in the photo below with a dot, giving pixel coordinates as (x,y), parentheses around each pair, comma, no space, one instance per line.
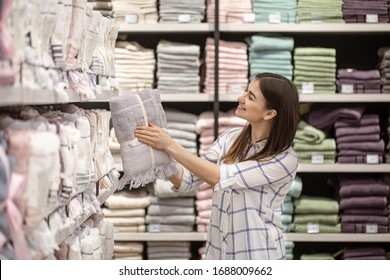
(158,138)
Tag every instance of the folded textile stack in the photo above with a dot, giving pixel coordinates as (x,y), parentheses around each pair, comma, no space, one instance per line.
(182,11)
(128,250)
(358,81)
(203,204)
(233,67)
(387,155)
(310,142)
(135,66)
(357,11)
(103,6)
(270,54)
(317,256)
(360,142)
(323,117)
(288,204)
(170,214)
(134,11)
(289,245)
(316,215)
(115,149)
(364,253)
(275,11)
(181,127)
(168,250)
(126,210)
(230,11)
(384,68)
(315,70)
(141,163)
(178,67)
(364,204)
(329,11)
(205,127)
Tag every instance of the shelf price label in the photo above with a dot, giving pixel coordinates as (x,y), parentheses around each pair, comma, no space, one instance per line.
(131,18)
(313,227)
(184,18)
(235,88)
(316,17)
(346,88)
(317,158)
(307,88)
(372,158)
(371,18)
(371,228)
(249,17)
(274,17)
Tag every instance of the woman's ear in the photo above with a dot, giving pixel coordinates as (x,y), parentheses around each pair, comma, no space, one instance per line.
(270,114)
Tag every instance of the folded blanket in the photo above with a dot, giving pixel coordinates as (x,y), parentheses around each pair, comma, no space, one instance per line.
(141,163)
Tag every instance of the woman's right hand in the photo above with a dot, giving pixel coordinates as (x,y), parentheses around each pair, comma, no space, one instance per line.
(154,136)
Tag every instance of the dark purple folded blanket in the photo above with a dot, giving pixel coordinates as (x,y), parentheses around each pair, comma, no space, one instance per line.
(368,219)
(372,189)
(360,228)
(358,74)
(367,211)
(363,202)
(363,251)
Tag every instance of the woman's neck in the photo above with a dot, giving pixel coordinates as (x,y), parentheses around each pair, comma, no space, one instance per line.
(259,132)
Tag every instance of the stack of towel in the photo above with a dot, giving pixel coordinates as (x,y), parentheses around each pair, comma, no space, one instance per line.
(126,210)
(355,11)
(181,127)
(270,54)
(289,245)
(384,67)
(288,204)
(128,250)
(205,127)
(178,67)
(103,6)
(329,11)
(356,143)
(358,81)
(309,142)
(135,66)
(364,204)
(170,214)
(182,10)
(364,253)
(387,155)
(316,215)
(230,11)
(203,204)
(233,67)
(168,250)
(317,256)
(275,11)
(134,11)
(316,66)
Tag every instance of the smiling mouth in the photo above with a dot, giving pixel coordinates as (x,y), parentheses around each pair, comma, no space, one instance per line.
(241,108)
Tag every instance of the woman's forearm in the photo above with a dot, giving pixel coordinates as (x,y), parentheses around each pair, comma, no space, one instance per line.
(205,170)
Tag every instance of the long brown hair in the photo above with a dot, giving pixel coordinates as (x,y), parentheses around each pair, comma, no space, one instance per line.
(281,95)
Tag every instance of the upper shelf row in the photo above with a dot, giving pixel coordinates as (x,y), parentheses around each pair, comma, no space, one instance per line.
(15,96)
(261,27)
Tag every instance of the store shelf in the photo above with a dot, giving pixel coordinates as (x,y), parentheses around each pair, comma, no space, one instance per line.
(337,237)
(297,237)
(326,28)
(166,28)
(344,168)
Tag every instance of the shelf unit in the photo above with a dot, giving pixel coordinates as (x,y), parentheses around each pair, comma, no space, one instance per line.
(291,29)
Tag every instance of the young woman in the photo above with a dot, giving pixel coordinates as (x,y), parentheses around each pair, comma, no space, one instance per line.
(251,170)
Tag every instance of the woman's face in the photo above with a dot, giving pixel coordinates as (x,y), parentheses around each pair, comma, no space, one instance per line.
(252,104)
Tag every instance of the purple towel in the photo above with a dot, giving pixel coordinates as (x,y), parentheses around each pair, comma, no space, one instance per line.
(324,117)
(357,138)
(356,159)
(378,146)
(368,219)
(373,189)
(366,119)
(363,202)
(360,228)
(358,74)
(358,130)
(362,251)
(367,211)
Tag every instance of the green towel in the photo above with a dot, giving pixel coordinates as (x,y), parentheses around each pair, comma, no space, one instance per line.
(331,219)
(328,144)
(315,59)
(315,73)
(318,256)
(314,51)
(315,205)
(329,160)
(323,228)
(308,134)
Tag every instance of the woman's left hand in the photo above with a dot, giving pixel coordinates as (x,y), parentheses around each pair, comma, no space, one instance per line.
(154,136)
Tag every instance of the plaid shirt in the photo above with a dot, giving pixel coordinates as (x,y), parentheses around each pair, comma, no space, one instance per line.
(247,202)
